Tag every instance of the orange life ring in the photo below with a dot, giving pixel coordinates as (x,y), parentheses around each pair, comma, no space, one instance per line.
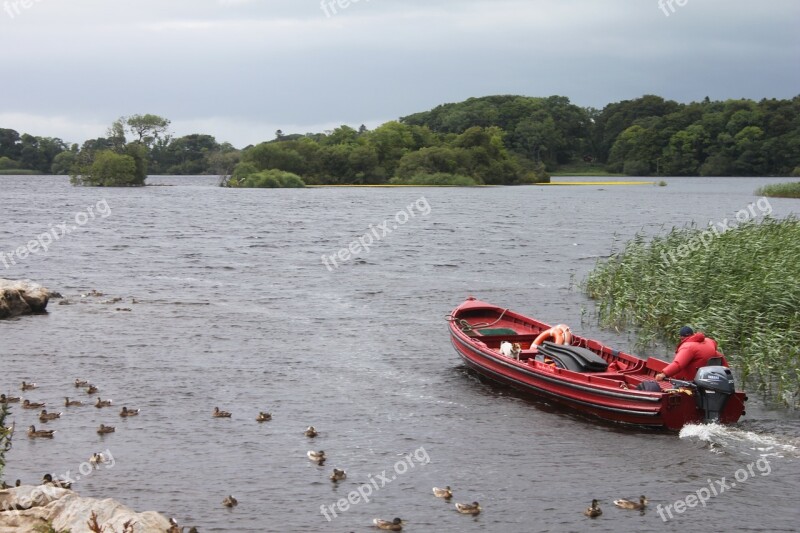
(567,333)
(560,334)
(555,333)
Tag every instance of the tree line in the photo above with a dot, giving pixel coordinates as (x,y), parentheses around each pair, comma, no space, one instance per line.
(487,140)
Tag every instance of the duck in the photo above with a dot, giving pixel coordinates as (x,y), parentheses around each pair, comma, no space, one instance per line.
(445,493)
(71,403)
(27,404)
(102,403)
(9,399)
(81,383)
(33,433)
(47,479)
(468,508)
(593,511)
(264,417)
(28,386)
(310,432)
(318,457)
(220,414)
(91,389)
(393,525)
(97,458)
(338,475)
(128,412)
(230,501)
(103,429)
(628,504)
(44,416)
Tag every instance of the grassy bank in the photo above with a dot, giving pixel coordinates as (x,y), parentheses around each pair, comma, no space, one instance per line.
(18,172)
(780,190)
(741,287)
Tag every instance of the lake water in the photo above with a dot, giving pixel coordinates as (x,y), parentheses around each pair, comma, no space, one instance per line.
(234,307)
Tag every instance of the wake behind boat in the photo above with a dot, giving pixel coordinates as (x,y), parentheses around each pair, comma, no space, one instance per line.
(583,374)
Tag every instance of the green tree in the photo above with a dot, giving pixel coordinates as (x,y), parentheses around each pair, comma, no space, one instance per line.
(148,128)
(110,169)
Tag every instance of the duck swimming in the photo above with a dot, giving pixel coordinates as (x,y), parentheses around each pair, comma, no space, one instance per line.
(220,414)
(128,412)
(338,475)
(27,404)
(593,511)
(394,525)
(71,403)
(317,457)
(230,501)
(103,429)
(264,417)
(44,416)
(628,504)
(102,403)
(28,386)
(81,383)
(310,432)
(445,493)
(8,399)
(33,433)
(468,508)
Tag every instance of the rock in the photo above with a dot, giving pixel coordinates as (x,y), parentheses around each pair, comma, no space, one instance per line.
(26,509)
(22,297)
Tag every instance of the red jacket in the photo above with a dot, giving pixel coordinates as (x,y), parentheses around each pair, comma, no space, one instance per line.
(692,353)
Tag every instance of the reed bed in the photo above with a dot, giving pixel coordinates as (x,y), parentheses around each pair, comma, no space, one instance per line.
(780,190)
(741,287)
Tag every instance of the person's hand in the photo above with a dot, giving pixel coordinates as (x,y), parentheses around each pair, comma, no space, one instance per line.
(660,376)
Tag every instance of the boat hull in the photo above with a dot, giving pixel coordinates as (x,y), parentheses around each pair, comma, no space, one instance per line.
(608,395)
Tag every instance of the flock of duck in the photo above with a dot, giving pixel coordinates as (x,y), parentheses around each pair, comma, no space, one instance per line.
(319,457)
(45,416)
(337,475)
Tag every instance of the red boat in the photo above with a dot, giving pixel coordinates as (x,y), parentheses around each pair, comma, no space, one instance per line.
(585,375)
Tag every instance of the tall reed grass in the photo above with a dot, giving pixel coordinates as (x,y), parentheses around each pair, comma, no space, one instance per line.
(780,190)
(742,288)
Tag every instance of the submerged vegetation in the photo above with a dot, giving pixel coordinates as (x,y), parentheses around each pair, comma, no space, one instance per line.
(741,287)
(780,190)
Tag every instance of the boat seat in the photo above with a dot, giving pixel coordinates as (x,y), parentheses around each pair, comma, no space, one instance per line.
(573,358)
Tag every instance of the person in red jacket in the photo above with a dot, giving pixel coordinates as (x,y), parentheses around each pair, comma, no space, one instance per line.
(693,351)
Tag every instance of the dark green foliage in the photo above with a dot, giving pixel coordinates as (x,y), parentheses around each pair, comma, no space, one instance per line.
(438,179)
(247,177)
(111,169)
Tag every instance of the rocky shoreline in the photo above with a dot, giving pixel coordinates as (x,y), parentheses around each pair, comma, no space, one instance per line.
(29,509)
(22,297)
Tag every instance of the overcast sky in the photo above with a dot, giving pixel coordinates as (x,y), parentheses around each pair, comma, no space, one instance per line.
(240,69)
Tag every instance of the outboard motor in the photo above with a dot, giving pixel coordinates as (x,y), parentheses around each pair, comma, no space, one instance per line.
(714,387)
